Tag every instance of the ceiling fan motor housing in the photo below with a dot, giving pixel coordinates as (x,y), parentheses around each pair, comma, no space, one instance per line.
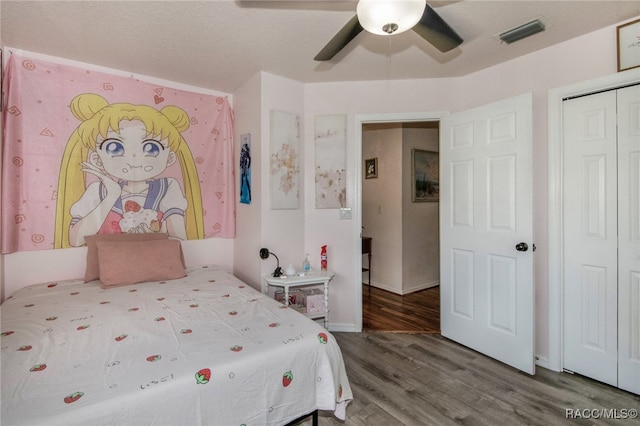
(386,17)
(390,28)
(382,17)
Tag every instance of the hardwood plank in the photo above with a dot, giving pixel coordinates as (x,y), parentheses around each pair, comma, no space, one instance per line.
(403,372)
(417,312)
(422,379)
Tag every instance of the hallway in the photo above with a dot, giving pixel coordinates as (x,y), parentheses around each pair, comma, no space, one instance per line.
(417,312)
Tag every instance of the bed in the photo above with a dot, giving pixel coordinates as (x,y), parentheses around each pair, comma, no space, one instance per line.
(204,349)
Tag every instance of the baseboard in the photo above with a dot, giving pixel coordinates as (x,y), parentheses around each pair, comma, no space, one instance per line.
(421,287)
(382,287)
(404,292)
(342,328)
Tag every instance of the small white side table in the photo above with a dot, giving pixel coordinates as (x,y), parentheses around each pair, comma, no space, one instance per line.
(310,279)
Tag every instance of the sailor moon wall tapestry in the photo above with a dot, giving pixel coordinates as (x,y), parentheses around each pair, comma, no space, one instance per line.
(136,158)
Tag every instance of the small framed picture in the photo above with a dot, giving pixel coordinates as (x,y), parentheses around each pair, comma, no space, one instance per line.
(629,45)
(371,168)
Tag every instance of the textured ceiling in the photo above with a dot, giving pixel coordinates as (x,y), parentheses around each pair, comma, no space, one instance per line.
(221,44)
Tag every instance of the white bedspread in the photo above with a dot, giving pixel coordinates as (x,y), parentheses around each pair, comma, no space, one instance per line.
(203,350)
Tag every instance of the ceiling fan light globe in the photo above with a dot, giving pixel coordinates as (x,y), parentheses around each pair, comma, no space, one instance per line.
(379,16)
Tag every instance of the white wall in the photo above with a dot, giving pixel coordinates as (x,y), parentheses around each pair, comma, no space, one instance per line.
(248,113)
(538,72)
(559,65)
(420,221)
(382,204)
(405,254)
(354,99)
(282,231)
(292,233)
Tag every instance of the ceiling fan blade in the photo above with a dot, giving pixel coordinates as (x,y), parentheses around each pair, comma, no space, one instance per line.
(436,31)
(340,40)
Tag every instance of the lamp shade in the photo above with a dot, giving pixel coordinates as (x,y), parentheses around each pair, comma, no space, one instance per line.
(386,17)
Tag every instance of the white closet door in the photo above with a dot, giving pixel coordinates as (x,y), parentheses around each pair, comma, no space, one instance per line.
(590,237)
(629,238)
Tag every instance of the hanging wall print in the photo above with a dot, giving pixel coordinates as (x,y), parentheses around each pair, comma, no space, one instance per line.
(629,45)
(284,168)
(425,176)
(88,152)
(331,167)
(245,169)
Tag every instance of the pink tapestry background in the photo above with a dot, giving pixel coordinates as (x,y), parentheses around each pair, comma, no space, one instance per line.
(38,123)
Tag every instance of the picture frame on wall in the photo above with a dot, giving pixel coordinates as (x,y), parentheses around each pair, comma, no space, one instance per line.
(245,168)
(425,180)
(284,160)
(330,146)
(371,168)
(628,39)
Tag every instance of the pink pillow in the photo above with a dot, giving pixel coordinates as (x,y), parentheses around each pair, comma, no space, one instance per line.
(124,263)
(92,272)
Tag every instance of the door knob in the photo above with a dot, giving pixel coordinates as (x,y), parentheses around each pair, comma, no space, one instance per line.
(522,247)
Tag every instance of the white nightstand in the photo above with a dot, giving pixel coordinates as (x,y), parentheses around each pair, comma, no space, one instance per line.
(309,279)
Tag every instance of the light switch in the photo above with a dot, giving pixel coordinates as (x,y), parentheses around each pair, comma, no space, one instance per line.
(345,213)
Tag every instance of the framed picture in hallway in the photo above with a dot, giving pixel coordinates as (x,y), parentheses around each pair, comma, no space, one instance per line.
(371,168)
(425,184)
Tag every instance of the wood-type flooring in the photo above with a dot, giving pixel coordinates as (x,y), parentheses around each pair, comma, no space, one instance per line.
(426,379)
(417,312)
(403,372)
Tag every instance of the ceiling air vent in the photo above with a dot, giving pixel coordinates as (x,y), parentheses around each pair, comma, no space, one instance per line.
(522,31)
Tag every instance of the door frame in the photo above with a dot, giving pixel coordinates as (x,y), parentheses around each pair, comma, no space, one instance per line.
(360,120)
(555,145)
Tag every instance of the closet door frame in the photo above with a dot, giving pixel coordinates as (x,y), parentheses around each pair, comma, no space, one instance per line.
(555,196)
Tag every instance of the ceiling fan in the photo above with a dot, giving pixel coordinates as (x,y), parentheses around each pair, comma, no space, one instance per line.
(387,17)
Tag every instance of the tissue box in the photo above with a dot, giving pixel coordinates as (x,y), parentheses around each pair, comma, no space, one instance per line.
(315,302)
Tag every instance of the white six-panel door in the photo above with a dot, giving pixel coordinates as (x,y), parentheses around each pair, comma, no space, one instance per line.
(602,237)
(591,237)
(487,293)
(629,239)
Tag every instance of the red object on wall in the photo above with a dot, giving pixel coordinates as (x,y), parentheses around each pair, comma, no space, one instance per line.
(323,258)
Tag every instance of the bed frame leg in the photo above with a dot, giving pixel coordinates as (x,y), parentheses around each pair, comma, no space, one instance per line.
(314,419)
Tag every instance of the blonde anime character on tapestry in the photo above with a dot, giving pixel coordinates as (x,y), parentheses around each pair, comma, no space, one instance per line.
(126,148)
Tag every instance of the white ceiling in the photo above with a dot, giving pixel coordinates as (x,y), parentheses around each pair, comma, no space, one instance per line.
(221,44)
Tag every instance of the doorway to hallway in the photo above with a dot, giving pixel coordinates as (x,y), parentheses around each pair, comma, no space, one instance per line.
(401,227)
